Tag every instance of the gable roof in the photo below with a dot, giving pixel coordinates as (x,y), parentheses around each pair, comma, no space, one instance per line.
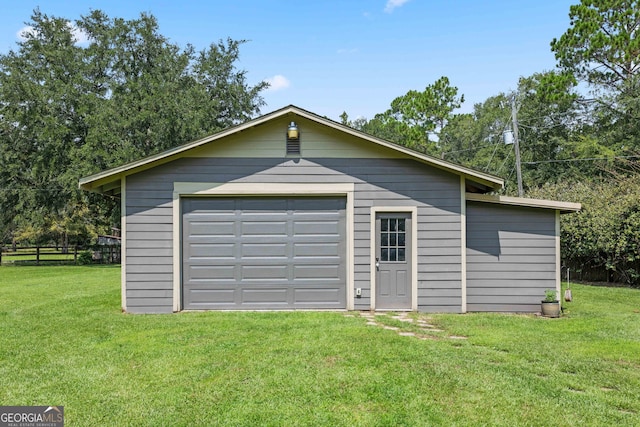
(108,182)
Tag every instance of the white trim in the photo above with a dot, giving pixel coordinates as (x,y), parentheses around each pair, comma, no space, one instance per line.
(563,207)
(190,189)
(123,244)
(558,261)
(177,252)
(413,210)
(463,246)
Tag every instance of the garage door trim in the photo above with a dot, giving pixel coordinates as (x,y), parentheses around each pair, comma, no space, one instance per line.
(195,189)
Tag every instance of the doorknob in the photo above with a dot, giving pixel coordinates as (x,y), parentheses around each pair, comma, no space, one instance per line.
(377,264)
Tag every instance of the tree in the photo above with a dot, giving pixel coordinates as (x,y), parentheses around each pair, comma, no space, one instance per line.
(428,110)
(549,116)
(602,45)
(415,115)
(68,110)
(602,48)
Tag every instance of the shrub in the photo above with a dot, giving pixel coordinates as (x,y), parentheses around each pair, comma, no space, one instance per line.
(85,258)
(605,235)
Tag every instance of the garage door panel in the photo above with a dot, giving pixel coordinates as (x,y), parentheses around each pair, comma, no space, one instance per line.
(251,205)
(264,228)
(316,272)
(319,297)
(259,250)
(211,251)
(303,250)
(264,253)
(211,229)
(264,272)
(316,228)
(258,296)
(213,296)
(211,273)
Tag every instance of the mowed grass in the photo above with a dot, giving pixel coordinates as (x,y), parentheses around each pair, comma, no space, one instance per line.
(65,342)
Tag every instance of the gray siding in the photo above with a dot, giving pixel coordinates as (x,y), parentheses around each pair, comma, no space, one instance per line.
(511,257)
(379,182)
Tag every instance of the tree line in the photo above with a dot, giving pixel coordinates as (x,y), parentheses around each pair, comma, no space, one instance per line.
(69,109)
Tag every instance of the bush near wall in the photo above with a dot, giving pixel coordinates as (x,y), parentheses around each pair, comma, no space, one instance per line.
(602,241)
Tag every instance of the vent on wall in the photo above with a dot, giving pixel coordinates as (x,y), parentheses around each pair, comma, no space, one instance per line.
(293,147)
(293,139)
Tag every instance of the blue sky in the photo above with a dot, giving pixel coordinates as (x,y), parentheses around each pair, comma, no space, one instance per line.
(330,56)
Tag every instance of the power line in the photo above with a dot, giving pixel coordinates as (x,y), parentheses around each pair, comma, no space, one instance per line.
(581,160)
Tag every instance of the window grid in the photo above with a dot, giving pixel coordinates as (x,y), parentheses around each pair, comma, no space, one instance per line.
(392,239)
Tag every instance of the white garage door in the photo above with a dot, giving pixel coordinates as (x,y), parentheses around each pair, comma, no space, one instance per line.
(264,253)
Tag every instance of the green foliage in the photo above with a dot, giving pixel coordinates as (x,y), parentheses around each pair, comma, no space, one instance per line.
(602,48)
(414,116)
(548,114)
(85,258)
(428,110)
(605,234)
(69,110)
(550,295)
(602,45)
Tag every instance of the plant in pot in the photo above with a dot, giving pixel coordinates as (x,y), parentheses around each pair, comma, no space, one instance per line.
(550,304)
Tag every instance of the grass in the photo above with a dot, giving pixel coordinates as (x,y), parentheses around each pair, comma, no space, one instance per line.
(65,342)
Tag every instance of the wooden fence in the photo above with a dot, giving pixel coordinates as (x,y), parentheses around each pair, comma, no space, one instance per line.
(38,255)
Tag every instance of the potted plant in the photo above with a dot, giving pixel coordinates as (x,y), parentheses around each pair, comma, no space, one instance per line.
(550,304)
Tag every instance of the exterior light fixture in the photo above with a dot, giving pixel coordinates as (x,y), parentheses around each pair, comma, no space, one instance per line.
(293,140)
(292,132)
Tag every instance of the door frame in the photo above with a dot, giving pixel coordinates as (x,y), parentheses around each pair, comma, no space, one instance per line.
(413,212)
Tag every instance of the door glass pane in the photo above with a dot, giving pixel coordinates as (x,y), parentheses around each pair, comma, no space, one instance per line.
(392,239)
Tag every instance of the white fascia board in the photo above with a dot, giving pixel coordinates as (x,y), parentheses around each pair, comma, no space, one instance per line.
(563,207)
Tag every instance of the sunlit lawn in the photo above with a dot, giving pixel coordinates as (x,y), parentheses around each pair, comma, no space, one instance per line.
(65,342)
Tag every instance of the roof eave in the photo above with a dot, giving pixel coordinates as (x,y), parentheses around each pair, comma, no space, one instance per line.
(563,207)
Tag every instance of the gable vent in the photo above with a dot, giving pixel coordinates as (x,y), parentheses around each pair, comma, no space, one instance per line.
(293,147)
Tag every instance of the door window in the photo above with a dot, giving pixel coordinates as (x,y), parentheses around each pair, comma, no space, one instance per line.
(392,239)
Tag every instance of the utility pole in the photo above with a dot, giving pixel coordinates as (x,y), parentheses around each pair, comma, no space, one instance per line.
(516,146)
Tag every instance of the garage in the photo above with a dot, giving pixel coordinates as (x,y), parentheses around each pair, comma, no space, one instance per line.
(263,253)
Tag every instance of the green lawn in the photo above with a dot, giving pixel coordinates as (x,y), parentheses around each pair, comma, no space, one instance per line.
(65,342)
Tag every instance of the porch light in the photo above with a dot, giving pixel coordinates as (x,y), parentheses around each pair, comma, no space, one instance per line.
(292,132)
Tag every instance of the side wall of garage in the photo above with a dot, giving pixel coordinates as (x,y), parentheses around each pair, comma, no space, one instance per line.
(511,257)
